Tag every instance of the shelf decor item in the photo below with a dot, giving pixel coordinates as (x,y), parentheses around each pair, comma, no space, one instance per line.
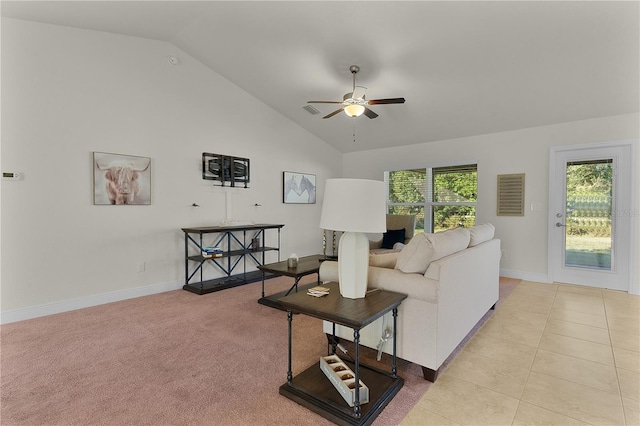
(121,179)
(354,206)
(292,261)
(298,188)
(210,252)
(343,379)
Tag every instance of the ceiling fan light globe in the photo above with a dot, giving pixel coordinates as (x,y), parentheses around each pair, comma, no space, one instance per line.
(354,110)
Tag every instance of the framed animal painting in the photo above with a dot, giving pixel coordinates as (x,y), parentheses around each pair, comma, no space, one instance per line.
(298,188)
(121,179)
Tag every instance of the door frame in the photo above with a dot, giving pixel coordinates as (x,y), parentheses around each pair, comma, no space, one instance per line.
(634,241)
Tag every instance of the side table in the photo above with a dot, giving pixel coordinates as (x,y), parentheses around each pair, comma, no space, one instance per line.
(311,388)
(307,265)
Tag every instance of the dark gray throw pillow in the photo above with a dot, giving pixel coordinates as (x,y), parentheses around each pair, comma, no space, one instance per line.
(391,237)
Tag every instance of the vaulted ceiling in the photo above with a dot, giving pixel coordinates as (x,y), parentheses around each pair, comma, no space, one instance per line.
(465,68)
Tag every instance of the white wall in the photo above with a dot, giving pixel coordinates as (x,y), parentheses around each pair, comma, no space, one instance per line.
(68,92)
(524,239)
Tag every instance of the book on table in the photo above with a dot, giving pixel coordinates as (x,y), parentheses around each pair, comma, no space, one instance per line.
(318,291)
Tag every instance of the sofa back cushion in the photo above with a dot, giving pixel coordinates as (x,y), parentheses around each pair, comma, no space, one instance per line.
(425,248)
(481,233)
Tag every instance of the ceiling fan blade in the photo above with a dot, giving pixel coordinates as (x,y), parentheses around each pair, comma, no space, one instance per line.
(333,113)
(369,113)
(358,92)
(324,102)
(386,101)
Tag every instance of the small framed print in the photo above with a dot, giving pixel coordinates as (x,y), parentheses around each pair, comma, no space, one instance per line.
(121,179)
(298,188)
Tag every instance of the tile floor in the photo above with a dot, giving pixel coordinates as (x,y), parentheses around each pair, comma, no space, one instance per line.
(551,354)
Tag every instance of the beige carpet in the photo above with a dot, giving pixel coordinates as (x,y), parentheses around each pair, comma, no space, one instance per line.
(168,359)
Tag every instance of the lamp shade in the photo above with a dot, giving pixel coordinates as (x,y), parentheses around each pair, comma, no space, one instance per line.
(354,205)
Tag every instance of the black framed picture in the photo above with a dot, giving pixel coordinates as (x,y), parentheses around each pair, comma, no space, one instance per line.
(298,188)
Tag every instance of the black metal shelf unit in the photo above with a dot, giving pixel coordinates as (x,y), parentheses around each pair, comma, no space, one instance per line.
(239,244)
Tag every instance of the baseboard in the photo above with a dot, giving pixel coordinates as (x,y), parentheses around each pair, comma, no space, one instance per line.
(527,276)
(86,302)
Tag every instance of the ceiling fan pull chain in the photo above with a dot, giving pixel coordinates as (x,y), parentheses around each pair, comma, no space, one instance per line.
(354,129)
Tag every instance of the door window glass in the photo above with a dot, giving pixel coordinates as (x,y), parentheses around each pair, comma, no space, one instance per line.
(588,242)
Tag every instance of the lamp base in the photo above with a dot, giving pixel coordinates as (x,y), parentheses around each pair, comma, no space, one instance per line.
(353,264)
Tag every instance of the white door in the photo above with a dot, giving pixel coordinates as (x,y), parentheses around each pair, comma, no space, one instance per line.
(590,228)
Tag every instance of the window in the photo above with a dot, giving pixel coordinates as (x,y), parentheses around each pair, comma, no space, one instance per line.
(445,196)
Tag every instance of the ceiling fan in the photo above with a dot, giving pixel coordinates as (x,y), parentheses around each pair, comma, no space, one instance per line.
(354,104)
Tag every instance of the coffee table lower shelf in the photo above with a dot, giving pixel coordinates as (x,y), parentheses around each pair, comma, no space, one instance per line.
(313,390)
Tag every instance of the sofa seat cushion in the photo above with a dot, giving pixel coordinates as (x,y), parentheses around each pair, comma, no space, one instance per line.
(425,248)
(481,233)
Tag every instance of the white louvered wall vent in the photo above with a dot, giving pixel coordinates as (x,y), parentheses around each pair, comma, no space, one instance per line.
(511,195)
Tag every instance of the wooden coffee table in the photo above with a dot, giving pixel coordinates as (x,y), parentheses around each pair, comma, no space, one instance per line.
(307,265)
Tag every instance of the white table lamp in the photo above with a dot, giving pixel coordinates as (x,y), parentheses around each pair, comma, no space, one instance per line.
(354,206)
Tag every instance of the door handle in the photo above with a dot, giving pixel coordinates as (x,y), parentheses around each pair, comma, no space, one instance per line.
(559,225)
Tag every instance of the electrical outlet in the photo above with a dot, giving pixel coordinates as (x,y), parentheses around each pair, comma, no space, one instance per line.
(141,267)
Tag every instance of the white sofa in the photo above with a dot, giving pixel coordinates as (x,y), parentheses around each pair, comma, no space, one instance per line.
(451,280)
